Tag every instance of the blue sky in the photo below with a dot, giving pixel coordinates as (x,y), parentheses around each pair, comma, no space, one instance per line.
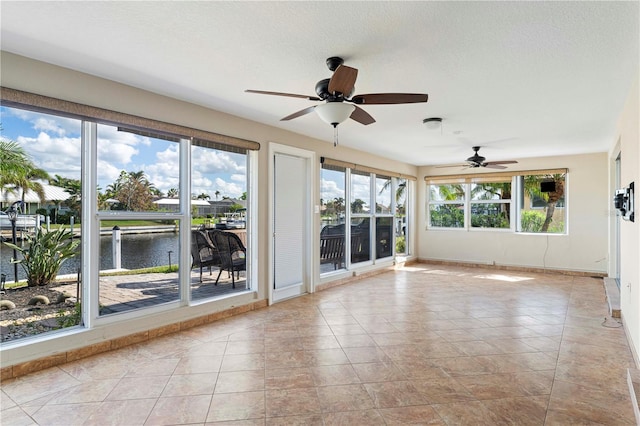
(54,145)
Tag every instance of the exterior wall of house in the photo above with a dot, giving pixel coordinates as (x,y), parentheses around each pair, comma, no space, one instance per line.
(629,148)
(584,248)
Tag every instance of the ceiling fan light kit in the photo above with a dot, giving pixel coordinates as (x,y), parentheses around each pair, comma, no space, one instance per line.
(334,113)
(433,123)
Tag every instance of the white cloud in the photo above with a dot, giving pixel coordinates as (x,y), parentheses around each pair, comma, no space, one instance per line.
(107,174)
(329,190)
(229,189)
(53,143)
(56,155)
(115,152)
(61,126)
(213,161)
(239,178)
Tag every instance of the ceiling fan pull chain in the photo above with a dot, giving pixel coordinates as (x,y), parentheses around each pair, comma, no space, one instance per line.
(335,136)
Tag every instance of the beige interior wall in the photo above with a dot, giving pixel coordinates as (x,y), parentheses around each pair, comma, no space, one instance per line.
(584,248)
(44,79)
(18,72)
(629,143)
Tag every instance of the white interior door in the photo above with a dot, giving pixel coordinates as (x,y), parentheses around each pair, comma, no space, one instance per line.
(291,189)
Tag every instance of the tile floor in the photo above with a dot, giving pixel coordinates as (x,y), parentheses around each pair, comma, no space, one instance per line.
(423,345)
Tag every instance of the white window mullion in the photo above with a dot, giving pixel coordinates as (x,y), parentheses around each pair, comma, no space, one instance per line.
(184,270)
(467,206)
(90,235)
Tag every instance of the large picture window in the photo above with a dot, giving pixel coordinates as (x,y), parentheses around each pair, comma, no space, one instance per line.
(446,205)
(541,204)
(360,206)
(531,202)
(333,216)
(40,180)
(376,208)
(384,217)
(401,219)
(125,194)
(490,204)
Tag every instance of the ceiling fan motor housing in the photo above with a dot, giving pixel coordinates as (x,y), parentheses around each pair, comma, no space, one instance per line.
(322,90)
(476,159)
(334,62)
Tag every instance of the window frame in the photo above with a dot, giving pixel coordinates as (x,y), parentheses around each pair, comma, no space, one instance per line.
(517,197)
(372,215)
(89,118)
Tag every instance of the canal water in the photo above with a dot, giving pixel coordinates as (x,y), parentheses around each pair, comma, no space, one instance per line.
(138,251)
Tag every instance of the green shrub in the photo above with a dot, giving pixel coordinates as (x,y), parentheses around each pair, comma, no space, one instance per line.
(532,220)
(447,216)
(44,254)
(489,221)
(70,320)
(400,245)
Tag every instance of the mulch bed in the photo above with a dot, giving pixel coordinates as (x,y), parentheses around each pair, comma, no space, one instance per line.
(28,319)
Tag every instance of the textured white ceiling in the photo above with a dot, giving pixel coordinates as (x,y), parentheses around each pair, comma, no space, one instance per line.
(520,79)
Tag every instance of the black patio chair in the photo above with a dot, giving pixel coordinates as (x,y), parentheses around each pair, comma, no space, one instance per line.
(232,253)
(203,252)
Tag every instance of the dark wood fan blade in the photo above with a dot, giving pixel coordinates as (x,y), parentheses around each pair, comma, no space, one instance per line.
(452,165)
(493,166)
(362,116)
(490,163)
(299,113)
(390,98)
(291,95)
(343,80)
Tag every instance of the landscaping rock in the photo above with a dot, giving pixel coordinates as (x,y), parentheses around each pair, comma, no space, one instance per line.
(7,305)
(63,297)
(39,300)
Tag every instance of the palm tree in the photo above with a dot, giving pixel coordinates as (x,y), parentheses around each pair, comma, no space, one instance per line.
(74,188)
(488,191)
(133,191)
(402,186)
(29,182)
(357,206)
(173,193)
(217,194)
(532,186)
(13,162)
(449,192)
(203,196)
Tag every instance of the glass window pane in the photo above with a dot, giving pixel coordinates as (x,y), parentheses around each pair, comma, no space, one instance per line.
(446,215)
(218,203)
(135,172)
(383,195)
(384,237)
(218,262)
(332,209)
(491,191)
(490,215)
(451,192)
(542,205)
(360,239)
(138,264)
(402,246)
(41,161)
(360,202)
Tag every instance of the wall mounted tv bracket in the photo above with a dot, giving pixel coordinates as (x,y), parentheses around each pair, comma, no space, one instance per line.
(624,201)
